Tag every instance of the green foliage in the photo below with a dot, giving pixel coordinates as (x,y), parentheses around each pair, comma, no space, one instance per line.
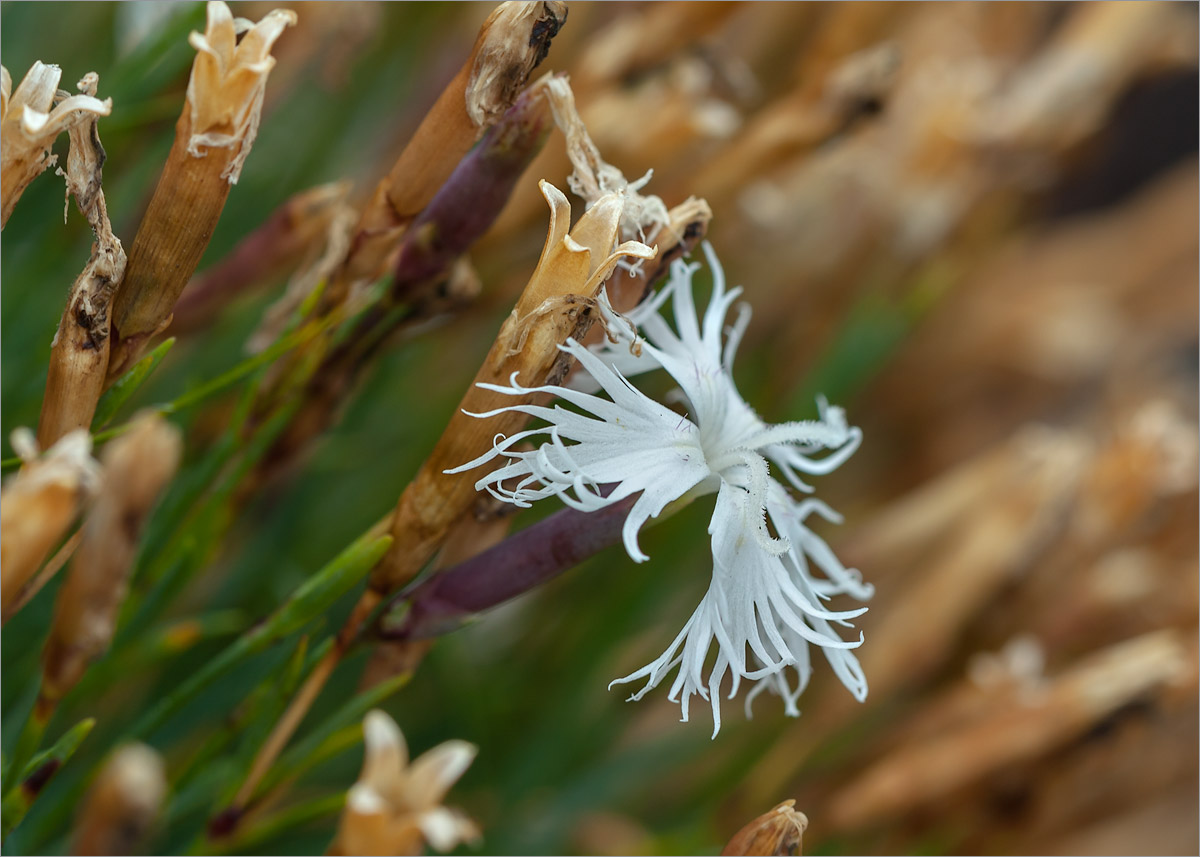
(527,683)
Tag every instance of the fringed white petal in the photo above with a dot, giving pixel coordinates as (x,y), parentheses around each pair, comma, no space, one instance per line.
(752,605)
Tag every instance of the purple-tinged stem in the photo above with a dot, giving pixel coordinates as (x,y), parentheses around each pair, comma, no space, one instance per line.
(527,559)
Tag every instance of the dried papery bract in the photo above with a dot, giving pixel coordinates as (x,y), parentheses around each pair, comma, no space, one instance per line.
(80,351)
(396,806)
(556,304)
(780,831)
(643,216)
(40,502)
(212,139)
(122,804)
(511,43)
(30,121)
(137,466)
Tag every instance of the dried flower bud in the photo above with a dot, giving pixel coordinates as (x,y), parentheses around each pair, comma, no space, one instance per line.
(136,467)
(512,42)
(122,804)
(30,121)
(396,807)
(229,78)
(212,139)
(40,502)
(780,831)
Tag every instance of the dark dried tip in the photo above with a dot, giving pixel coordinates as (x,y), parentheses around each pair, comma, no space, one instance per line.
(36,781)
(224,823)
(554,15)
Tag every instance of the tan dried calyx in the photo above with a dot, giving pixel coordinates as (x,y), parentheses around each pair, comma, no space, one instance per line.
(512,42)
(122,804)
(80,350)
(556,304)
(40,502)
(396,806)
(31,119)
(212,139)
(780,831)
(229,78)
(137,466)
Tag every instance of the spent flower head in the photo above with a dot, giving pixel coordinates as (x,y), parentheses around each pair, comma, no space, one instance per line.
(396,806)
(764,605)
(31,118)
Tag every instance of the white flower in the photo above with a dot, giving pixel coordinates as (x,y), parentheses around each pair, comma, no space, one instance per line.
(763,597)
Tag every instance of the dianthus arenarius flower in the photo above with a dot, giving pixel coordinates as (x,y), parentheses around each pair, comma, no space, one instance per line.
(764,605)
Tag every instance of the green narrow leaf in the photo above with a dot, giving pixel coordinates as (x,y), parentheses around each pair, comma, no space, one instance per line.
(340,730)
(39,772)
(281,822)
(128,384)
(310,600)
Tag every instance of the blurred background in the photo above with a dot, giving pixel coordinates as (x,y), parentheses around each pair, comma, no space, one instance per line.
(972,225)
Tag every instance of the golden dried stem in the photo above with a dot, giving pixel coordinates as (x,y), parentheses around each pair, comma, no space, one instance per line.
(39,503)
(137,466)
(511,43)
(122,804)
(212,139)
(780,831)
(30,121)
(79,353)
(555,305)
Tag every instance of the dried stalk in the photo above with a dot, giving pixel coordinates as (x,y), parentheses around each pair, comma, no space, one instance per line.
(39,503)
(137,466)
(213,137)
(267,252)
(1022,725)
(511,43)
(30,121)
(80,351)
(428,279)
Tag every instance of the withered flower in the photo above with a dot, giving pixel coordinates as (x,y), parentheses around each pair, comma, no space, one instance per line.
(30,121)
(40,502)
(122,804)
(137,466)
(780,831)
(396,806)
